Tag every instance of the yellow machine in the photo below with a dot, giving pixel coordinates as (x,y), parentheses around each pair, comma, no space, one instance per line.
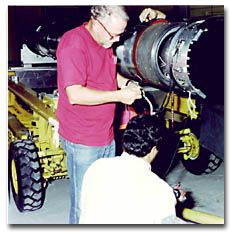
(34,158)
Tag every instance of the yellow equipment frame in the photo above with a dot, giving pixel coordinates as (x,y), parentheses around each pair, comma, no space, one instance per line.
(28,118)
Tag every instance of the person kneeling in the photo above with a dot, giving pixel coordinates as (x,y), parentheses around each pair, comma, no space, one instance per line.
(124,190)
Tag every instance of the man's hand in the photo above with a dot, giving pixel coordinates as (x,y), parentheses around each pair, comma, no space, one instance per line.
(130,93)
(150,14)
(132,83)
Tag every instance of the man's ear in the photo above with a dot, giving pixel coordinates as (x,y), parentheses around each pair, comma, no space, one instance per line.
(153,153)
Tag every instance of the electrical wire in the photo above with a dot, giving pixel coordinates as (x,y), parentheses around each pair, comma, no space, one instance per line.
(149,102)
(191,106)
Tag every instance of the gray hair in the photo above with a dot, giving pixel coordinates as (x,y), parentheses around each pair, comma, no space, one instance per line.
(100,11)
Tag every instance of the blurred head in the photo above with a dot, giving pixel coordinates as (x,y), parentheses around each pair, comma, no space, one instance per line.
(110,22)
(142,134)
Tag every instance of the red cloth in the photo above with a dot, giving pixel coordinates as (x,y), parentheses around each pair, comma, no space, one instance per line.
(81,60)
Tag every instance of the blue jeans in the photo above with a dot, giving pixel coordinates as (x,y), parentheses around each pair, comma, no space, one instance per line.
(79,158)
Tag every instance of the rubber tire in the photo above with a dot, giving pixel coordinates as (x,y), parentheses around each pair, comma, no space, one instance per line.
(31,190)
(206,163)
(166,159)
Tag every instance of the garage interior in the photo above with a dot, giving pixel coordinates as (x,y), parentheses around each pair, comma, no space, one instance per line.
(34,75)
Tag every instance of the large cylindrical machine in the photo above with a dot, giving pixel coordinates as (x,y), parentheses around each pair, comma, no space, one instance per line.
(44,40)
(183,56)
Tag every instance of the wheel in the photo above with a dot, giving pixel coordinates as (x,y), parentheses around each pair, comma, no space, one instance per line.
(166,158)
(26,176)
(205,163)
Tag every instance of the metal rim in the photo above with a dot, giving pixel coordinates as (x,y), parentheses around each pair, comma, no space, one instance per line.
(14,176)
(195,149)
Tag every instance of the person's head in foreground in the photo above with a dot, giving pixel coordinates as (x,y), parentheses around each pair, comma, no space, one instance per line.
(143,136)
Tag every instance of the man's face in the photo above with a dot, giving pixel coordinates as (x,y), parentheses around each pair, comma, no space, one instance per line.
(111,27)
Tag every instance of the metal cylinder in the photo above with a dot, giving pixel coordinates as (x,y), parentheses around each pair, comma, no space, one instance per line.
(161,54)
(45,38)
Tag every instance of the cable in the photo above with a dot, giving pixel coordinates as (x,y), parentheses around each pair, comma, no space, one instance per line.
(175,152)
(149,102)
(191,106)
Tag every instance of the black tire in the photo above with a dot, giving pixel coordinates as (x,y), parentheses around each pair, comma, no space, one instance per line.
(166,159)
(26,176)
(205,163)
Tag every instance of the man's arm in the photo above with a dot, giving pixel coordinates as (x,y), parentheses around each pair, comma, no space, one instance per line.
(78,94)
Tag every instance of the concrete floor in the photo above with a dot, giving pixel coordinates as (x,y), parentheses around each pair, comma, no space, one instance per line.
(207,192)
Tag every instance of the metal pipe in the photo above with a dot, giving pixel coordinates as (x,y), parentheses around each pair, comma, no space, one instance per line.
(201,217)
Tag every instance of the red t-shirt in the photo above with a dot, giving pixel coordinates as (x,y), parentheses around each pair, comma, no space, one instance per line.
(82,61)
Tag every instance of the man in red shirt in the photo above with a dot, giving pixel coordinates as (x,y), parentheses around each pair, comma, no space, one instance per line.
(89,88)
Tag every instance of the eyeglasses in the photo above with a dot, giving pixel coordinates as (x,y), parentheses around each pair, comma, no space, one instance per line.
(111,36)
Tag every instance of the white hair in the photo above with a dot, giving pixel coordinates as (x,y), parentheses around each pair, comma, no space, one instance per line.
(100,11)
